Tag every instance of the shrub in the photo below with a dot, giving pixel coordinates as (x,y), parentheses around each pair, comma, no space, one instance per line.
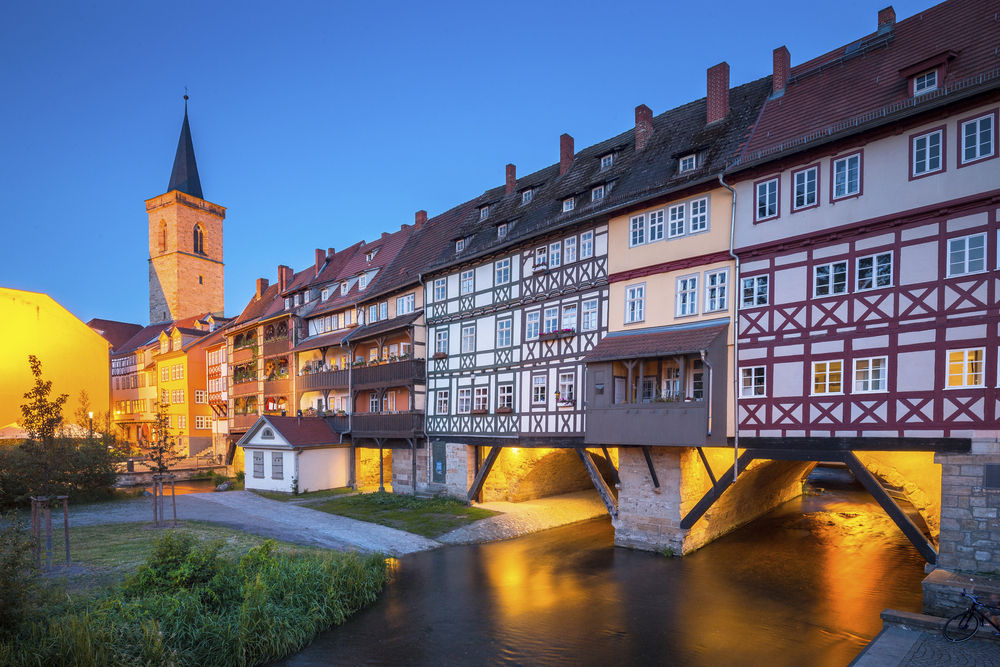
(241,476)
(17,571)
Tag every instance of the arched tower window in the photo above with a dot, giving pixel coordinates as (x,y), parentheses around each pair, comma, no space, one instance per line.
(163,236)
(199,240)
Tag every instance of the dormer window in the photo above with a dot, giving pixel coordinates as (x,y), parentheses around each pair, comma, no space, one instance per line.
(568,204)
(371,255)
(688,163)
(502,231)
(460,245)
(362,281)
(343,288)
(305,297)
(597,193)
(297,299)
(526,197)
(607,161)
(325,294)
(484,212)
(288,303)
(924,83)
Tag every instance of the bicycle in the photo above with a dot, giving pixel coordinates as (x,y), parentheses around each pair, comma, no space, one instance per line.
(963,626)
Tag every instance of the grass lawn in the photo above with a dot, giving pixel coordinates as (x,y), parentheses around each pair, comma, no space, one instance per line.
(430,517)
(311,495)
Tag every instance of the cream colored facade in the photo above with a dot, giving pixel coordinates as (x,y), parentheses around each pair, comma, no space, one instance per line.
(182,386)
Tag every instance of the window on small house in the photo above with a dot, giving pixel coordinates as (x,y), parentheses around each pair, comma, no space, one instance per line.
(531,325)
(526,196)
(767,200)
(440,289)
(569,246)
(504,328)
(805,188)
(847,176)
(589,322)
(305,297)
(468,282)
(871,375)
(538,390)
(343,288)
(363,281)
(468,339)
(569,317)
(258,465)
(505,396)
(459,245)
(965,368)
(267,434)
(927,153)
(442,402)
(875,271)
(676,218)
(298,299)
(635,303)
(484,212)
(502,231)
(977,139)
(830,279)
(441,341)
(966,255)
(752,381)
(607,161)
(688,163)
(324,294)
(586,245)
(597,193)
(924,83)
(755,291)
(716,290)
(687,296)
(464,401)
(482,399)
(502,270)
(827,377)
(568,204)
(551,320)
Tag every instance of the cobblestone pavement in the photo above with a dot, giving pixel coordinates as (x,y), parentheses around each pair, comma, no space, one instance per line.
(248,511)
(933,650)
(529,516)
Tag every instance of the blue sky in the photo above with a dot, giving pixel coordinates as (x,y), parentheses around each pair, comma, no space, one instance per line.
(318,124)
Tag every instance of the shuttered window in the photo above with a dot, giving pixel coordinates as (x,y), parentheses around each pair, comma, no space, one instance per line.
(276,466)
(258,464)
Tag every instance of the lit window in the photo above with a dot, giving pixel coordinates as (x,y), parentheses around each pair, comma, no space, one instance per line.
(464,401)
(597,193)
(847,176)
(635,301)
(526,196)
(977,139)
(965,368)
(440,289)
(755,291)
(687,296)
(637,230)
(182,421)
(805,188)
(569,247)
(753,381)
(607,161)
(589,315)
(676,218)
(567,387)
(716,290)
(468,339)
(967,255)
(538,390)
(875,271)
(551,320)
(827,377)
(484,212)
(586,245)
(482,398)
(468,284)
(568,204)
(506,396)
(870,375)
(767,200)
(927,153)
(504,328)
(699,215)
(925,82)
(688,163)
(442,402)
(829,279)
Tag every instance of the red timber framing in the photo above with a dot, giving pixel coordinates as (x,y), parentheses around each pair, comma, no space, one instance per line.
(913,323)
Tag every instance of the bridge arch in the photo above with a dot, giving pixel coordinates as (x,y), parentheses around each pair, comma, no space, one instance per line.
(527,473)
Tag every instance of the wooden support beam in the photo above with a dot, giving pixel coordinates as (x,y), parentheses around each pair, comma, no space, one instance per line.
(708,468)
(602,486)
(614,471)
(652,470)
(484,470)
(864,444)
(714,493)
(895,513)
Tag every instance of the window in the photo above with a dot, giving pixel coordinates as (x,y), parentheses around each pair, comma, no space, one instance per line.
(267,434)
(372,313)
(464,401)
(847,176)
(504,328)
(635,298)
(199,240)
(870,375)
(370,255)
(597,193)
(372,401)
(687,296)
(362,281)
(966,255)
(829,279)
(716,290)
(531,325)
(388,401)
(482,399)
(569,250)
(927,150)
(324,294)
(586,245)
(555,254)
(767,199)
(924,83)
(672,382)
(806,194)
(655,226)
(687,163)
(965,368)
(297,299)
(164,374)
(277,469)
(405,305)
(442,402)
(440,289)
(827,377)
(165,397)
(383,310)
(200,396)
(699,215)
(502,230)
(484,212)
(589,315)
(468,339)
(697,380)
(441,341)
(551,320)
(607,160)
(305,297)
(755,291)
(568,204)
(542,256)
(648,389)
(460,245)
(506,396)
(538,390)
(567,387)
(372,354)
(468,283)
(875,271)
(201,423)
(182,421)
(637,230)
(752,381)
(288,303)
(343,290)
(258,464)
(569,317)
(977,139)
(676,217)
(526,197)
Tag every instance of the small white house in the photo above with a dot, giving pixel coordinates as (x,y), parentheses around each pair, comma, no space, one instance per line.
(281,451)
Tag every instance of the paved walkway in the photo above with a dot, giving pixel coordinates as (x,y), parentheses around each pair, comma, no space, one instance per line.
(915,640)
(252,513)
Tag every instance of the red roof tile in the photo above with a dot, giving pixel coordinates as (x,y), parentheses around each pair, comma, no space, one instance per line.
(640,345)
(304,431)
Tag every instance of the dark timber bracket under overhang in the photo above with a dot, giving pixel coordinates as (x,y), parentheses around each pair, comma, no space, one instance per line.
(595,476)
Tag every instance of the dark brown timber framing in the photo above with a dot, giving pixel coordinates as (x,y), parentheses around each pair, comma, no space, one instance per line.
(866,444)
(713,494)
(652,470)
(595,477)
(484,470)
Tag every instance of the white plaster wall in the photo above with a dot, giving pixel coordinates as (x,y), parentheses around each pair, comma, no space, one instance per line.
(324,468)
(268,484)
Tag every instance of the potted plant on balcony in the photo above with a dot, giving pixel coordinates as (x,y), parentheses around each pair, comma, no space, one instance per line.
(540,267)
(405,356)
(504,410)
(440,355)
(564,402)
(359,363)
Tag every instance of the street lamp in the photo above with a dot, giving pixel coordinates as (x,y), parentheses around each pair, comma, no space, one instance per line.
(91,416)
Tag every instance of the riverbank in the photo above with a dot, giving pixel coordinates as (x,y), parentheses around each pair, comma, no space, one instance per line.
(916,640)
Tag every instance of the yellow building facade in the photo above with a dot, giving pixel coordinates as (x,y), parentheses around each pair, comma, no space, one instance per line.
(182,388)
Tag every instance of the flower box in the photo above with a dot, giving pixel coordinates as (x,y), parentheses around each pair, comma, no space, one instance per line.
(565,404)
(558,333)
(504,411)
(440,355)
(539,268)
(480,412)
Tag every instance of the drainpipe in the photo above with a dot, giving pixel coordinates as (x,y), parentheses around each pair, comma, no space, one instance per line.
(704,360)
(736,334)
(427,368)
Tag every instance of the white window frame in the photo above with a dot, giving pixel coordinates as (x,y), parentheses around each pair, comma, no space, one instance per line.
(343,289)
(440,289)
(754,282)
(589,315)
(459,245)
(990,120)
(505,396)
(502,230)
(586,245)
(542,256)
(925,82)
(876,276)
(464,400)
(468,338)
(441,341)
(597,193)
(698,216)
(926,137)
(686,301)
(716,290)
(532,324)
(635,303)
(828,372)
(766,196)
(569,316)
(847,192)
(467,281)
(550,319)
(569,204)
(373,313)
(831,275)
(481,398)
(965,362)
(405,304)
(865,380)
(555,254)
(637,231)
(965,251)
(607,161)
(676,221)
(753,382)
(654,226)
(688,162)
(526,197)
(200,396)
(806,192)
(502,271)
(362,281)
(539,386)
(569,250)
(505,332)
(383,310)
(567,384)
(484,212)
(441,401)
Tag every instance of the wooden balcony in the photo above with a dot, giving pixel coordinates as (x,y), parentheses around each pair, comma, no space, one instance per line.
(387,425)
(276,387)
(393,374)
(241,355)
(243,422)
(275,347)
(339,424)
(244,388)
(324,380)
(683,424)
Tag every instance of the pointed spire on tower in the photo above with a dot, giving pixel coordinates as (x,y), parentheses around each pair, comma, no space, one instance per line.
(184,175)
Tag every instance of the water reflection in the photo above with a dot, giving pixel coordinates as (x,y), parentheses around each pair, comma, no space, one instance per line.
(804,585)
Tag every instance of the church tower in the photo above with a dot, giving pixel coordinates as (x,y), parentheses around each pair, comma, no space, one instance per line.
(186,273)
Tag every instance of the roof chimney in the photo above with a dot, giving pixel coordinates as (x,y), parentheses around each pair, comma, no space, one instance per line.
(419,219)
(643,126)
(511,178)
(718,92)
(566,153)
(886,16)
(262,284)
(320,259)
(384,234)
(284,275)
(782,69)
(330,252)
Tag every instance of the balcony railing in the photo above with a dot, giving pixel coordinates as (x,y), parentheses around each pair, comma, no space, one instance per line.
(273,347)
(242,354)
(282,386)
(243,422)
(324,380)
(339,424)
(683,424)
(393,373)
(387,424)
(243,388)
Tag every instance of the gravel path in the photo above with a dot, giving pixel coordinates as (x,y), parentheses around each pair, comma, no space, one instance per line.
(252,513)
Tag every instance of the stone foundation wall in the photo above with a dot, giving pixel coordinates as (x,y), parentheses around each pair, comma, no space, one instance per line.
(402,471)
(460,469)
(521,474)
(917,475)
(366,460)
(970,527)
(943,592)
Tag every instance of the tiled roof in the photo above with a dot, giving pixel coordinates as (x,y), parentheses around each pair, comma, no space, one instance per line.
(385,326)
(839,86)
(256,308)
(325,340)
(304,431)
(116,333)
(638,345)
(149,334)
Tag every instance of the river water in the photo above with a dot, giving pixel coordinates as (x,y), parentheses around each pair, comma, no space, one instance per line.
(801,586)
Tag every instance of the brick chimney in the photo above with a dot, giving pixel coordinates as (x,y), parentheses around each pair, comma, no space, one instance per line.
(285,274)
(511,178)
(320,259)
(886,16)
(566,153)
(718,92)
(419,219)
(262,284)
(782,69)
(643,126)
(330,252)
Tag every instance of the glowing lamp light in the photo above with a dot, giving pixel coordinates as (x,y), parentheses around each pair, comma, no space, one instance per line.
(90,414)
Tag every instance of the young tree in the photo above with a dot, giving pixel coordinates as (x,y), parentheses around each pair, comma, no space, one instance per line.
(41,418)
(82,414)
(163,446)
